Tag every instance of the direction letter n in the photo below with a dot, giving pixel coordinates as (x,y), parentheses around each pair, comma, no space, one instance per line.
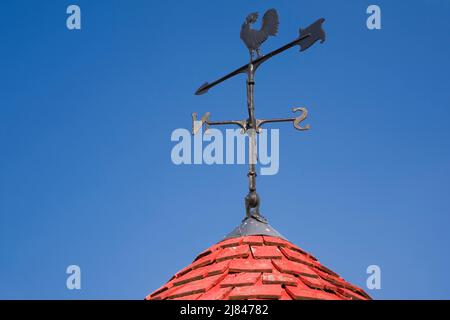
(197,124)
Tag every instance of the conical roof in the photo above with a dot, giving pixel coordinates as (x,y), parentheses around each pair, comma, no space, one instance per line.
(256,262)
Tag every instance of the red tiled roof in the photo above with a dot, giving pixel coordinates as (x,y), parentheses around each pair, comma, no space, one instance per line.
(256,267)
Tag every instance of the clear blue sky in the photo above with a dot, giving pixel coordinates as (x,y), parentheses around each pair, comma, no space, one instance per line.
(86,116)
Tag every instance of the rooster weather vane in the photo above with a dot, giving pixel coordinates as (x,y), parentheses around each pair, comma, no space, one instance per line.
(253,39)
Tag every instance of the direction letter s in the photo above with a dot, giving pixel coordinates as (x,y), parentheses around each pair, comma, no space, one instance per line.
(300,118)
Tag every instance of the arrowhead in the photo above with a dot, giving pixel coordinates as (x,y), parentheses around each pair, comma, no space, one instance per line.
(203,89)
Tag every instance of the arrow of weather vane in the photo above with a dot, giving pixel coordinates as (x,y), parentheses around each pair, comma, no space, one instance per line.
(253,39)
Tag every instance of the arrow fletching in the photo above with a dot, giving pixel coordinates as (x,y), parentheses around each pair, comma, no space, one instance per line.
(315,32)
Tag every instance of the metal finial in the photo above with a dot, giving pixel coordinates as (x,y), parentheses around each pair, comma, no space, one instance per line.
(253,40)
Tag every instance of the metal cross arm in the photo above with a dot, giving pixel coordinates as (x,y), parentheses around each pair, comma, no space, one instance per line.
(295,120)
(197,124)
(306,39)
(244,124)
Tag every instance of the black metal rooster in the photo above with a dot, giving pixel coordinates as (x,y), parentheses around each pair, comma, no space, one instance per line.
(254,38)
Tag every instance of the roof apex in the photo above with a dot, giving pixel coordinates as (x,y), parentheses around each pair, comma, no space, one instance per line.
(254,226)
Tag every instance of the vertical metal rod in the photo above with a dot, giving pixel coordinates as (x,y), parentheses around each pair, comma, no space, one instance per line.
(252,201)
(252,126)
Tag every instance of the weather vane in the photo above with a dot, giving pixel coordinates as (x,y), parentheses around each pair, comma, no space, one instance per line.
(253,39)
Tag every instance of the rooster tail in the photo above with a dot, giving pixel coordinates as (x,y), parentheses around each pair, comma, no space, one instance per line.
(270,22)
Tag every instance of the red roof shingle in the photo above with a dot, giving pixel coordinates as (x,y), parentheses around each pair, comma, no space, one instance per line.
(256,267)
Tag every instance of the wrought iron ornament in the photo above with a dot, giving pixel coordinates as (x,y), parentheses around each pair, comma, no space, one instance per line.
(253,39)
